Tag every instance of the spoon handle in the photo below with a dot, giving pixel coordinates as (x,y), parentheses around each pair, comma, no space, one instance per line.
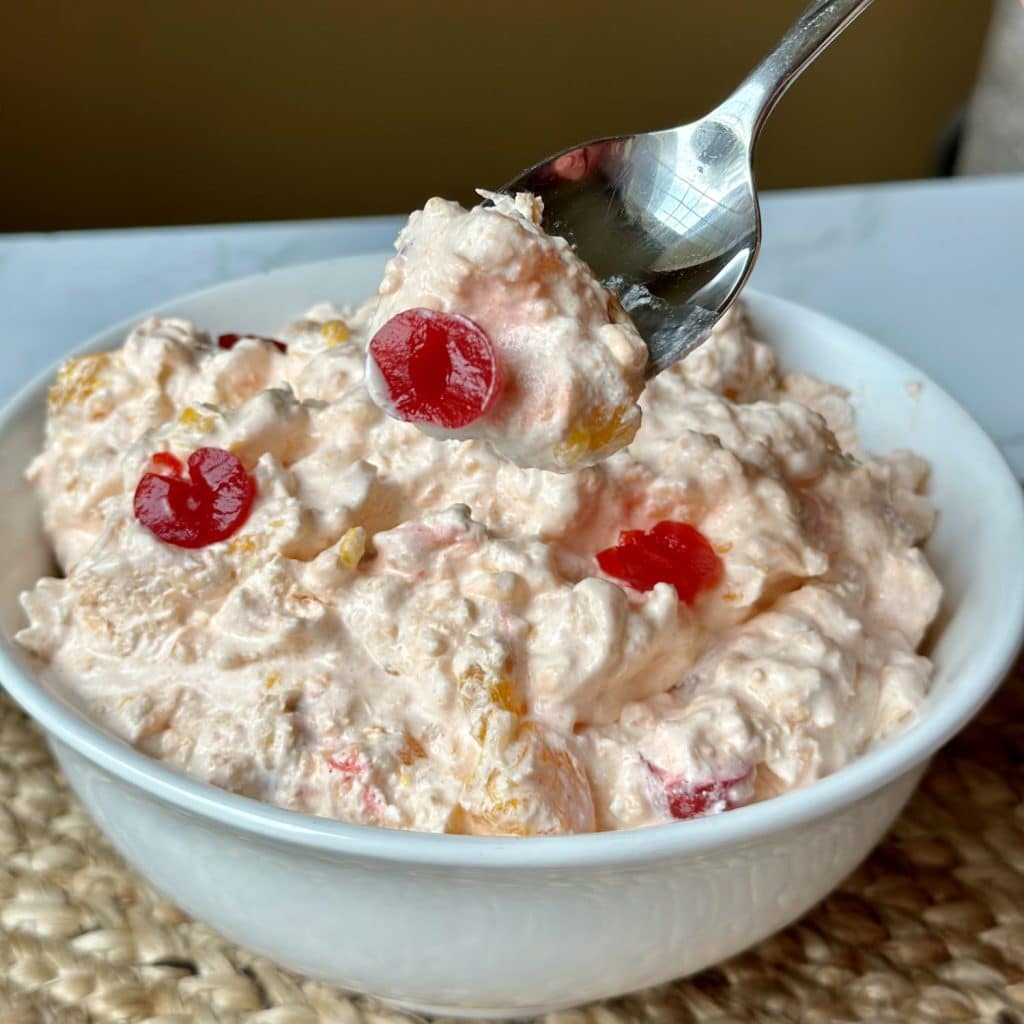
(749,106)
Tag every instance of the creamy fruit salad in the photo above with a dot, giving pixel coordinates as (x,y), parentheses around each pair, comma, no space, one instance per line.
(418,564)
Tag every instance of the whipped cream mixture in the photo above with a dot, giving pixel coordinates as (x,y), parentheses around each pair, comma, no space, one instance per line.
(411,630)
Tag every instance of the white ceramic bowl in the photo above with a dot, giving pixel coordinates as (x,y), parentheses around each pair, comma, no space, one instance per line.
(464,925)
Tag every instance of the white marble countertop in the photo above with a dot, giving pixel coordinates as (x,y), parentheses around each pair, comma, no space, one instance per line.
(928,268)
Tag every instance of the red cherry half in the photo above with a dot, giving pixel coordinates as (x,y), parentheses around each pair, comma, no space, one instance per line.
(689,799)
(231,340)
(669,552)
(439,368)
(208,506)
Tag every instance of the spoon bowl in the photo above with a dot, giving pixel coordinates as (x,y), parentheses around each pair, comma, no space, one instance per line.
(669,220)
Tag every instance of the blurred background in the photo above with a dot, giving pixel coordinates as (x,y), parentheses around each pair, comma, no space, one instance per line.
(195,111)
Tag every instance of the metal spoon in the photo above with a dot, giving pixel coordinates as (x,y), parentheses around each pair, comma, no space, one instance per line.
(670,219)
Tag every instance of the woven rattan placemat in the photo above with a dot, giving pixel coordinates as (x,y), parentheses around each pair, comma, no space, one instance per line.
(931,928)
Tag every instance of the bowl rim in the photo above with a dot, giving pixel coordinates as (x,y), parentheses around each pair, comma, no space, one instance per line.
(856,781)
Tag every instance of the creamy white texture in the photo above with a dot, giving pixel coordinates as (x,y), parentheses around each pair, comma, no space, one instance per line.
(412,632)
(573,361)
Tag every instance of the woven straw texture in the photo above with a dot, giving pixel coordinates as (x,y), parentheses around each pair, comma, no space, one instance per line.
(930,929)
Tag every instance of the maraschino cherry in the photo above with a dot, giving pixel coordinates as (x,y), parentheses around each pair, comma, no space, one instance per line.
(669,552)
(691,800)
(207,506)
(440,369)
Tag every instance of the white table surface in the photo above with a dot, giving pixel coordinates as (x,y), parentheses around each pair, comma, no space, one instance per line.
(931,269)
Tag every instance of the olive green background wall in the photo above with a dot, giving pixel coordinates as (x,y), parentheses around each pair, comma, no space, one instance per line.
(185,111)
